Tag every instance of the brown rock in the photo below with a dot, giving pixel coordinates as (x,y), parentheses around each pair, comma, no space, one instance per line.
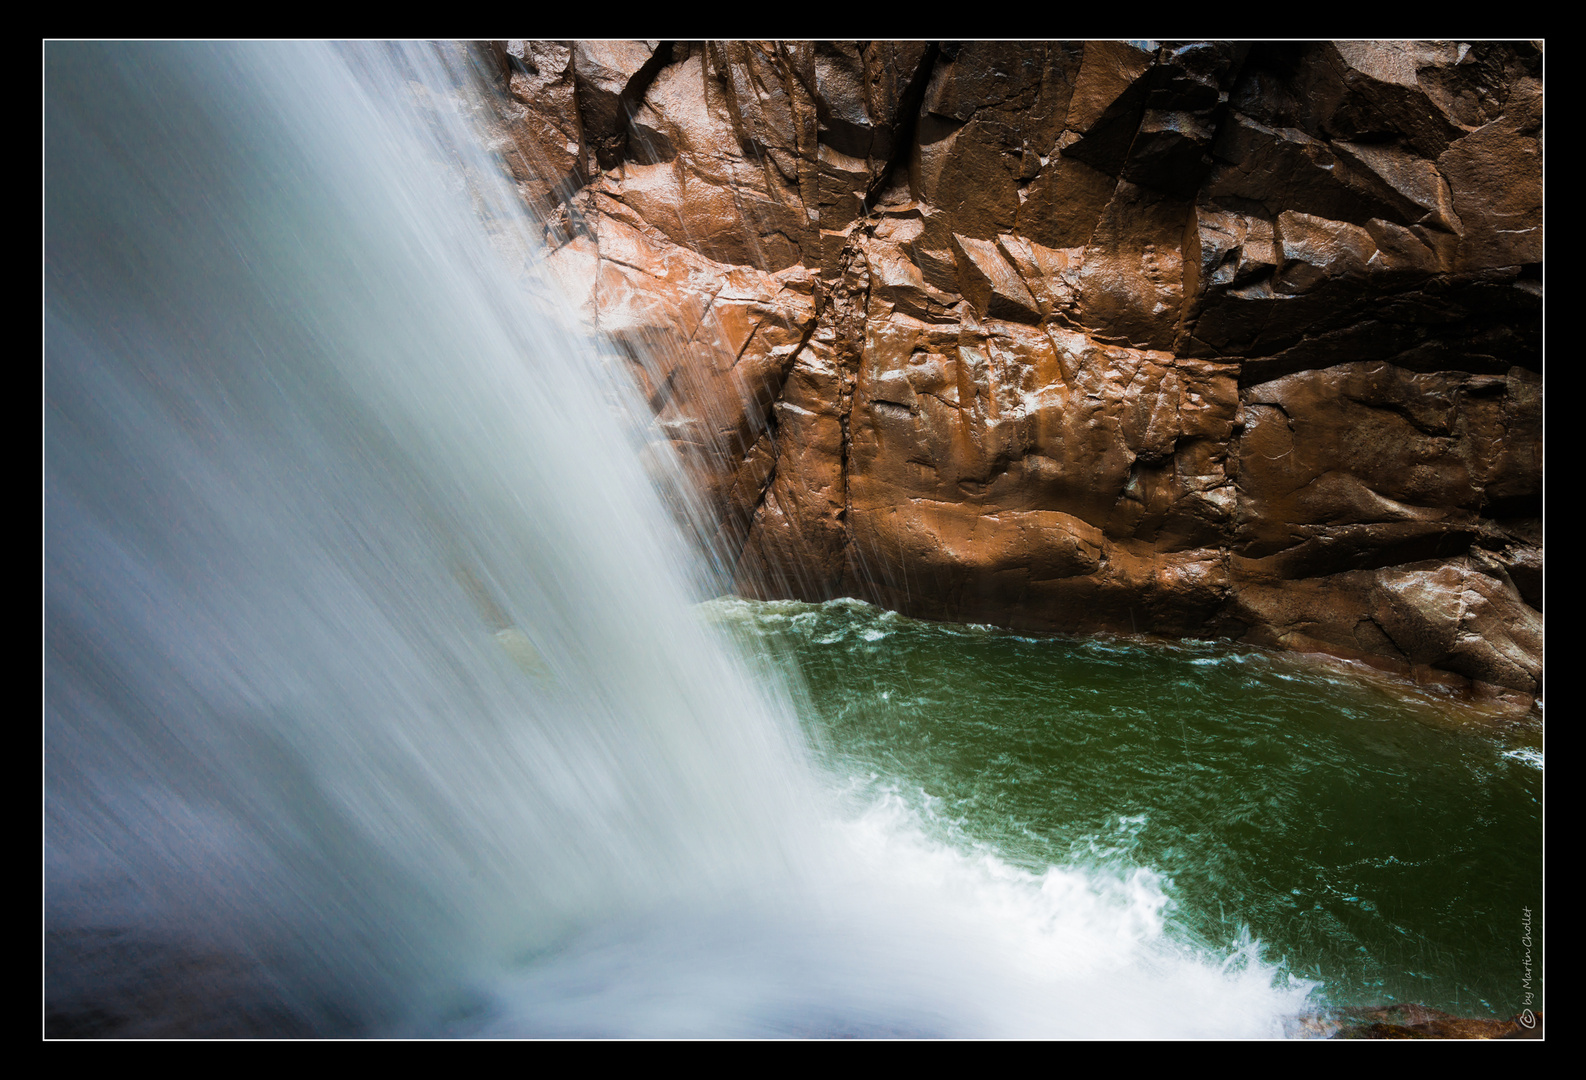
(988,281)
(611,76)
(541,115)
(1494,176)
(1200,338)
(1414,1022)
(1131,284)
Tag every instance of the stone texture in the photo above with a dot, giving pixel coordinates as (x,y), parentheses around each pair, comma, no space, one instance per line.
(1224,339)
(1411,1021)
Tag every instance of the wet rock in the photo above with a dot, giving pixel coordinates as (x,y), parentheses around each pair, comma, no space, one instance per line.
(548,153)
(1186,337)
(612,77)
(1413,1022)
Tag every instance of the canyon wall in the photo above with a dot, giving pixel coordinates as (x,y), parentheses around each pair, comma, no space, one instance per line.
(1210,339)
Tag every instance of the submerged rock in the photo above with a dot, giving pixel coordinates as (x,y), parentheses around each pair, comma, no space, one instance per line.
(1413,1022)
(1221,339)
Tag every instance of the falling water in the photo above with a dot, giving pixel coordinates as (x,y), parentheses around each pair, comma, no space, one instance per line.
(374,699)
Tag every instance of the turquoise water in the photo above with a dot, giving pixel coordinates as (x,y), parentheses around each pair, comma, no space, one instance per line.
(1371,838)
(375,703)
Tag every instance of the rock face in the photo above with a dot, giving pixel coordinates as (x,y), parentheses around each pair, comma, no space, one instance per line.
(1233,340)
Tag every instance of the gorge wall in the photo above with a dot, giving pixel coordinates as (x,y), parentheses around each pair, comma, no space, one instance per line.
(1223,340)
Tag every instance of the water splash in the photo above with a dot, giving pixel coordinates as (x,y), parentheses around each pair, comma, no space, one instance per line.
(308,450)
(374,702)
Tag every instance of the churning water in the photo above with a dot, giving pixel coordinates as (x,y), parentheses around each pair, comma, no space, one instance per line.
(375,702)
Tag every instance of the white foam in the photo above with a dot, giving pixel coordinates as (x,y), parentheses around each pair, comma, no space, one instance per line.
(911,934)
(367,638)
(1526,755)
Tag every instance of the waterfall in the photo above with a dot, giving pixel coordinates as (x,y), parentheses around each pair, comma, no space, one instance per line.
(374,699)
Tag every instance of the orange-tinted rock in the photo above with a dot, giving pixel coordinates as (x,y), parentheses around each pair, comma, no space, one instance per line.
(611,76)
(548,154)
(1444,621)
(1188,338)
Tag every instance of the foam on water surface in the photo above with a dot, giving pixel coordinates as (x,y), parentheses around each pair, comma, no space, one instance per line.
(375,702)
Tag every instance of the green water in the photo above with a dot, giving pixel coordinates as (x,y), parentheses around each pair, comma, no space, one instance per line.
(1373,839)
